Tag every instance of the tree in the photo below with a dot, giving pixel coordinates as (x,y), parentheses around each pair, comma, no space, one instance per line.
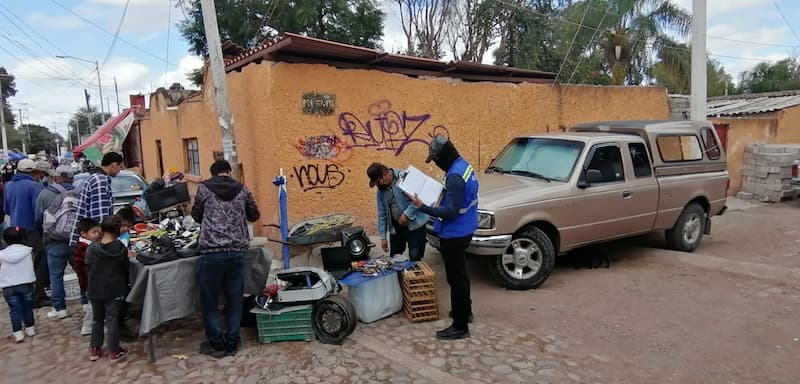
(79,123)
(675,75)
(766,77)
(9,88)
(424,23)
(528,37)
(249,22)
(39,138)
(471,28)
(628,32)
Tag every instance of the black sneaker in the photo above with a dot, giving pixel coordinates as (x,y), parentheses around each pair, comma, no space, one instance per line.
(469,319)
(451,333)
(208,350)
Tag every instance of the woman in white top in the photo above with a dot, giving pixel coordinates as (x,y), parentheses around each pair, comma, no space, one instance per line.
(16,281)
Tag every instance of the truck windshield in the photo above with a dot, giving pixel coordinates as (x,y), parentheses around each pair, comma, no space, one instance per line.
(550,159)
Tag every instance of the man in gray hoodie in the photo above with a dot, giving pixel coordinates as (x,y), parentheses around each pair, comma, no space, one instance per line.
(222,206)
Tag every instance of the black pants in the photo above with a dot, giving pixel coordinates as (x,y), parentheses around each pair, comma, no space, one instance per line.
(39,266)
(105,313)
(455,265)
(415,240)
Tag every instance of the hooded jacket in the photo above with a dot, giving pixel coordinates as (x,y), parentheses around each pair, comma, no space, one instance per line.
(107,265)
(223,207)
(16,266)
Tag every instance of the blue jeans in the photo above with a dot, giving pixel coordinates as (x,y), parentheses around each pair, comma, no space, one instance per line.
(58,255)
(221,272)
(20,305)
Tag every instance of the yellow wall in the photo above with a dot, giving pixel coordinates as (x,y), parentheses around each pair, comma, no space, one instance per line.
(378,116)
(741,133)
(789,126)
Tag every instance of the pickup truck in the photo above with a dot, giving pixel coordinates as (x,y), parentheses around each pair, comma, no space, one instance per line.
(545,195)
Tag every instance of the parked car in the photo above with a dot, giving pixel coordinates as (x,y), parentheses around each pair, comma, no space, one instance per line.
(127,187)
(545,195)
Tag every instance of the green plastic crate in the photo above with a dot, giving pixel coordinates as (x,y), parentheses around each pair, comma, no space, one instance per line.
(292,323)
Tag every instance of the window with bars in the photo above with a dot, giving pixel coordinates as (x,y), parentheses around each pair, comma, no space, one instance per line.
(192,156)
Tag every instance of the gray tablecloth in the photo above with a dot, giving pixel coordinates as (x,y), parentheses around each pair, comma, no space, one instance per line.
(168,291)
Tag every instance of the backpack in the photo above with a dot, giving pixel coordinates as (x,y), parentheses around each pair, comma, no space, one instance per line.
(59,218)
(161,250)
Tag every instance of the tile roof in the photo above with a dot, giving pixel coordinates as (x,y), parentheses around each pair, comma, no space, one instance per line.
(753,103)
(301,49)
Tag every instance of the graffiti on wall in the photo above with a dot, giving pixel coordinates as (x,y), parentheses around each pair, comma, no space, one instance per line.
(314,176)
(323,147)
(387,129)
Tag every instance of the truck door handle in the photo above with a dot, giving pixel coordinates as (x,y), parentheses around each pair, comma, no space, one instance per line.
(627,194)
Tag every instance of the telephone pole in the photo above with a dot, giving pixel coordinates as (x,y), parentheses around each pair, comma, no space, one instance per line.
(220,85)
(116,91)
(699,87)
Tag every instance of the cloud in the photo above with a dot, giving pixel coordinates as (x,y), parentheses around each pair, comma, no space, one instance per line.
(60,21)
(149,37)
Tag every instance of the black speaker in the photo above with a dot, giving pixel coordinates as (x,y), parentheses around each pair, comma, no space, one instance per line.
(356,242)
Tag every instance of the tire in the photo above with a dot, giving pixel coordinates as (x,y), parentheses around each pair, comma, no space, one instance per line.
(687,233)
(334,318)
(527,262)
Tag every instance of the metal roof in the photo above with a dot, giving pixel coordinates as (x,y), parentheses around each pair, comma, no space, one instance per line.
(291,47)
(750,104)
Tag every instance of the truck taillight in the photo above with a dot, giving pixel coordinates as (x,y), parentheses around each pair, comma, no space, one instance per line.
(794,170)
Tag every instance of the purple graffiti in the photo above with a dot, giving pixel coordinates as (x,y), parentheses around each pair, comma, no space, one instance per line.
(388,130)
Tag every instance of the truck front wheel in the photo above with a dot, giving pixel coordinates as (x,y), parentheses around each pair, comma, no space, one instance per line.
(527,262)
(688,231)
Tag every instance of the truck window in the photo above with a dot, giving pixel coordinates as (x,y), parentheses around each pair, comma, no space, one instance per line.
(641,163)
(552,158)
(710,144)
(608,161)
(679,148)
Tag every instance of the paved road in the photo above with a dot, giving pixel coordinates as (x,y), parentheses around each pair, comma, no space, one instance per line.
(726,314)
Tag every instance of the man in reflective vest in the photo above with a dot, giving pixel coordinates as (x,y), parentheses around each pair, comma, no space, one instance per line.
(457,219)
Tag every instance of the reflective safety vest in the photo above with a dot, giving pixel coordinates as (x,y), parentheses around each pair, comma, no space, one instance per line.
(467,220)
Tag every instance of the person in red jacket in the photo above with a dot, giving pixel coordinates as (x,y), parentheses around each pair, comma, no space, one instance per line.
(89,231)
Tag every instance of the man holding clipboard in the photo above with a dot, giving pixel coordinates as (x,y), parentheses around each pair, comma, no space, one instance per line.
(457,216)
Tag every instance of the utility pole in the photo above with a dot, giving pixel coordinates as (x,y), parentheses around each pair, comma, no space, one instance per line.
(3,123)
(220,85)
(116,91)
(698,76)
(27,128)
(91,118)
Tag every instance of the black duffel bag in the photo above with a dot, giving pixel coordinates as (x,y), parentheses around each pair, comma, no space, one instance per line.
(161,250)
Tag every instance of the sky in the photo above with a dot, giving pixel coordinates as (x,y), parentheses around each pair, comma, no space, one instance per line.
(150,53)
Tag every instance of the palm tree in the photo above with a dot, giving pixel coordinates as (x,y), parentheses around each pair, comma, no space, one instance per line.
(629,33)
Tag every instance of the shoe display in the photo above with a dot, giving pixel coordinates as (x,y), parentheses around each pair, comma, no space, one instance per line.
(19,336)
(30,331)
(54,314)
(95,354)
(119,355)
(451,333)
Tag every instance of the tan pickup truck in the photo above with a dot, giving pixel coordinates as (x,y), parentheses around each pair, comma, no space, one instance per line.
(545,195)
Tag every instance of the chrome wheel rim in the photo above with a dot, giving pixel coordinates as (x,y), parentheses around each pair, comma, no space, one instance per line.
(692,230)
(522,259)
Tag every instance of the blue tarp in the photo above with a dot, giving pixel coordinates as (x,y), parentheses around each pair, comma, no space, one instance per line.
(357,278)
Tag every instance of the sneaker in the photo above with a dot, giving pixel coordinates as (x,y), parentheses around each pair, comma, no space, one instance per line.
(54,314)
(95,353)
(86,331)
(84,307)
(19,336)
(207,349)
(118,355)
(30,331)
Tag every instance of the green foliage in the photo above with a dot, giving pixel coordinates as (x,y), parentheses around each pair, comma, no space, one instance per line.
(79,123)
(765,77)
(9,89)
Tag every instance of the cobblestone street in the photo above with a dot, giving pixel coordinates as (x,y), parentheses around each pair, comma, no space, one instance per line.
(654,316)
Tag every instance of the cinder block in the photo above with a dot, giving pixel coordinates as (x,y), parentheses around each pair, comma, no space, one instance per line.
(744,196)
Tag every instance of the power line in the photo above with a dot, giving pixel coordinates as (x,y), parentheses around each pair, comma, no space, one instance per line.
(753,42)
(27,52)
(574,37)
(134,46)
(46,40)
(574,70)
(116,34)
(786,21)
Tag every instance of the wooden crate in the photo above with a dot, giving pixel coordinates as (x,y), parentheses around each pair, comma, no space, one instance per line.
(419,293)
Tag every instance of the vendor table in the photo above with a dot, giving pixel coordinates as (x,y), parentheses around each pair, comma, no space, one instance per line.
(168,291)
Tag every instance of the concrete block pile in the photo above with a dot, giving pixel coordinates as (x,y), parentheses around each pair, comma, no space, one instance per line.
(767,172)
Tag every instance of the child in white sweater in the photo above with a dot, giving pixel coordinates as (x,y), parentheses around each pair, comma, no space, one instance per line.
(16,281)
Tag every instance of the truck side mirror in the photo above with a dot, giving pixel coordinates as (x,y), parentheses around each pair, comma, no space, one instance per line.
(589,177)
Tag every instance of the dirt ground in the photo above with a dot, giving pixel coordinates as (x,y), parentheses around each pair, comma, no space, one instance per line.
(653,318)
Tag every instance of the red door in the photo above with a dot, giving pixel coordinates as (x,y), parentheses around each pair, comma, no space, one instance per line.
(722,132)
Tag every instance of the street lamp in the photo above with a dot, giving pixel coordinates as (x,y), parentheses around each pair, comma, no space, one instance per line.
(99,87)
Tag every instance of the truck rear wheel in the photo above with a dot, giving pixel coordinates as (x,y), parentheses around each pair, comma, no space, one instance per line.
(527,262)
(688,231)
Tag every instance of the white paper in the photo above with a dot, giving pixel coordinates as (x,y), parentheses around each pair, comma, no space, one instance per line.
(414,182)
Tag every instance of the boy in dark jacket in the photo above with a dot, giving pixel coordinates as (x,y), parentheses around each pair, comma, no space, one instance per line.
(223,206)
(107,263)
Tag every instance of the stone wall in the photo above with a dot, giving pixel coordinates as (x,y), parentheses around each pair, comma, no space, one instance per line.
(767,172)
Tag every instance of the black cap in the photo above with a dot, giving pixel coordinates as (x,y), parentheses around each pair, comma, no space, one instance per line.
(435,147)
(375,171)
